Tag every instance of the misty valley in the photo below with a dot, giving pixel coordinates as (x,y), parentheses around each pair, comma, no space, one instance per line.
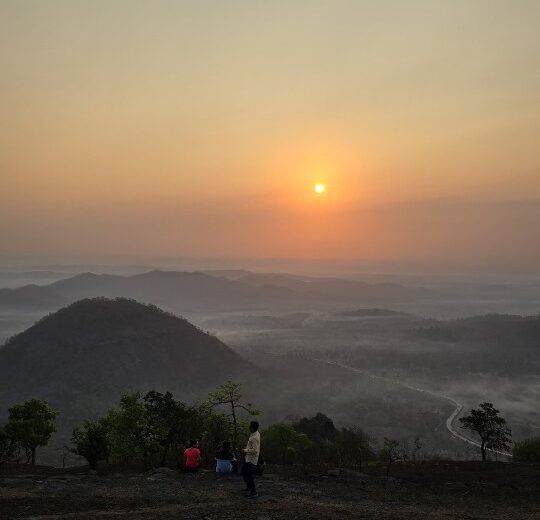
(398,360)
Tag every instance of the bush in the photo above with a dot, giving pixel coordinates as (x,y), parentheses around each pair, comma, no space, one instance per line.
(527,450)
(90,442)
(284,445)
(353,447)
(7,446)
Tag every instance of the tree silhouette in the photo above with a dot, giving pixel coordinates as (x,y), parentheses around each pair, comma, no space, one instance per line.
(230,394)
(491,428)
(390,452)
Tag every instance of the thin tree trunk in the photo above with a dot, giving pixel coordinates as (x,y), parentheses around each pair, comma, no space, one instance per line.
(33,456)
(235,432)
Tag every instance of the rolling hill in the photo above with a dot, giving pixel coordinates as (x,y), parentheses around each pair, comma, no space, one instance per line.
(84,356)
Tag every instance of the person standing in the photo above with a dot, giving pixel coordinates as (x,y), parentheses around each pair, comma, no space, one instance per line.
(251,452)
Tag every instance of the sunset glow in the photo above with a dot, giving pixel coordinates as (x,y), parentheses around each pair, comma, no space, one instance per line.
(187,126)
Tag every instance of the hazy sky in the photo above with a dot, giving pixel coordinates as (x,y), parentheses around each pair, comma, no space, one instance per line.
(199,128)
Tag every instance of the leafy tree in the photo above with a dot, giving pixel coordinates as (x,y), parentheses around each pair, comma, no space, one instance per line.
(319,428)
(527,450)
(283,444)
(230,395)
(130,435)
(91,442)
(353,446)
(491,428)
(390,453)
(31,425)
(7,446)
(171,421)
(216,428)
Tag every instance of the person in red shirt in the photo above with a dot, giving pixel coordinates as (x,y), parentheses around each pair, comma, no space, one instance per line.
(192,457)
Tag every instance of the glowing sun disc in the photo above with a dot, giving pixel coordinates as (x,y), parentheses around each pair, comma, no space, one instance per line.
(319,188)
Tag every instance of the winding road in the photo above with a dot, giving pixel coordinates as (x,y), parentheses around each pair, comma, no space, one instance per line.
(449,421)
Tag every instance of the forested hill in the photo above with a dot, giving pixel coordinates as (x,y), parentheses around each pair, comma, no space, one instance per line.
(510,331)
(83,357)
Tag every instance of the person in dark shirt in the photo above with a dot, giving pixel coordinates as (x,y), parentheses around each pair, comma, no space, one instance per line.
(225,460)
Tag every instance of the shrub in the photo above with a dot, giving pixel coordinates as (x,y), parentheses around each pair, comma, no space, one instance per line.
(284,445)
(90,442)
(527,450)
(7,446)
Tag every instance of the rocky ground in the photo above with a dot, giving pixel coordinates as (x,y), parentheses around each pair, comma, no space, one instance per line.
(448,491)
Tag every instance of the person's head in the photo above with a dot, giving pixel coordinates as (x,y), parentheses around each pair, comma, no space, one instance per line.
(253,426)
(226,445)
(193,443)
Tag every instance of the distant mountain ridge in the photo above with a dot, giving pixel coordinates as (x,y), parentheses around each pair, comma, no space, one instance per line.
(370,313)
(198,290)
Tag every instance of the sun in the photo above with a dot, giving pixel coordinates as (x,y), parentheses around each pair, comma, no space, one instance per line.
(319,188)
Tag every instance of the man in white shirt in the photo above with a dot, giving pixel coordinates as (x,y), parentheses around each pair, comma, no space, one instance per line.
(251,452)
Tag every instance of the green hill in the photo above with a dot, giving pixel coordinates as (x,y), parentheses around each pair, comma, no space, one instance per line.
(84,356)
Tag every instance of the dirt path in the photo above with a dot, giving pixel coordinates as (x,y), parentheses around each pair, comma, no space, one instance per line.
(458,407)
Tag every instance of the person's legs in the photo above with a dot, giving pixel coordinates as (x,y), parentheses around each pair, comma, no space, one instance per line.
(245,474)
(248,470)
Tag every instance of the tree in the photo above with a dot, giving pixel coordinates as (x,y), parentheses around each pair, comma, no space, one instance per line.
(31,425)
(7,446)
(283,444)
(216,428)
(353,446)
(491,428)
(319,428)
(230,395)
(130,435)
(90,442)
(390,453)
(171,421)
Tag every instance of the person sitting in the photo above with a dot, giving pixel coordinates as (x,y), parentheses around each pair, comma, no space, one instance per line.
(192,457)
(225,459)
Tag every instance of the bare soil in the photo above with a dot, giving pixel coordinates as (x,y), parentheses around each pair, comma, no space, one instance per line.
(448,491)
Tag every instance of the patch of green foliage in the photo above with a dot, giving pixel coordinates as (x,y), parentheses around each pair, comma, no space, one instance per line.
(30,425)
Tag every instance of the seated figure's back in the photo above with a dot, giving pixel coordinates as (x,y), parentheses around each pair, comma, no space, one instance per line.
(224,460)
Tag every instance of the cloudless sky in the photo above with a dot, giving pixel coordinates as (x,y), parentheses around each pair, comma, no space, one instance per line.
(200,128)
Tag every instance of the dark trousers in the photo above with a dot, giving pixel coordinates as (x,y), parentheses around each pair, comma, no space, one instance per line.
(248,473)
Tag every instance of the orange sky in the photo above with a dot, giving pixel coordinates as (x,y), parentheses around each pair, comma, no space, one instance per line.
(200,128)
